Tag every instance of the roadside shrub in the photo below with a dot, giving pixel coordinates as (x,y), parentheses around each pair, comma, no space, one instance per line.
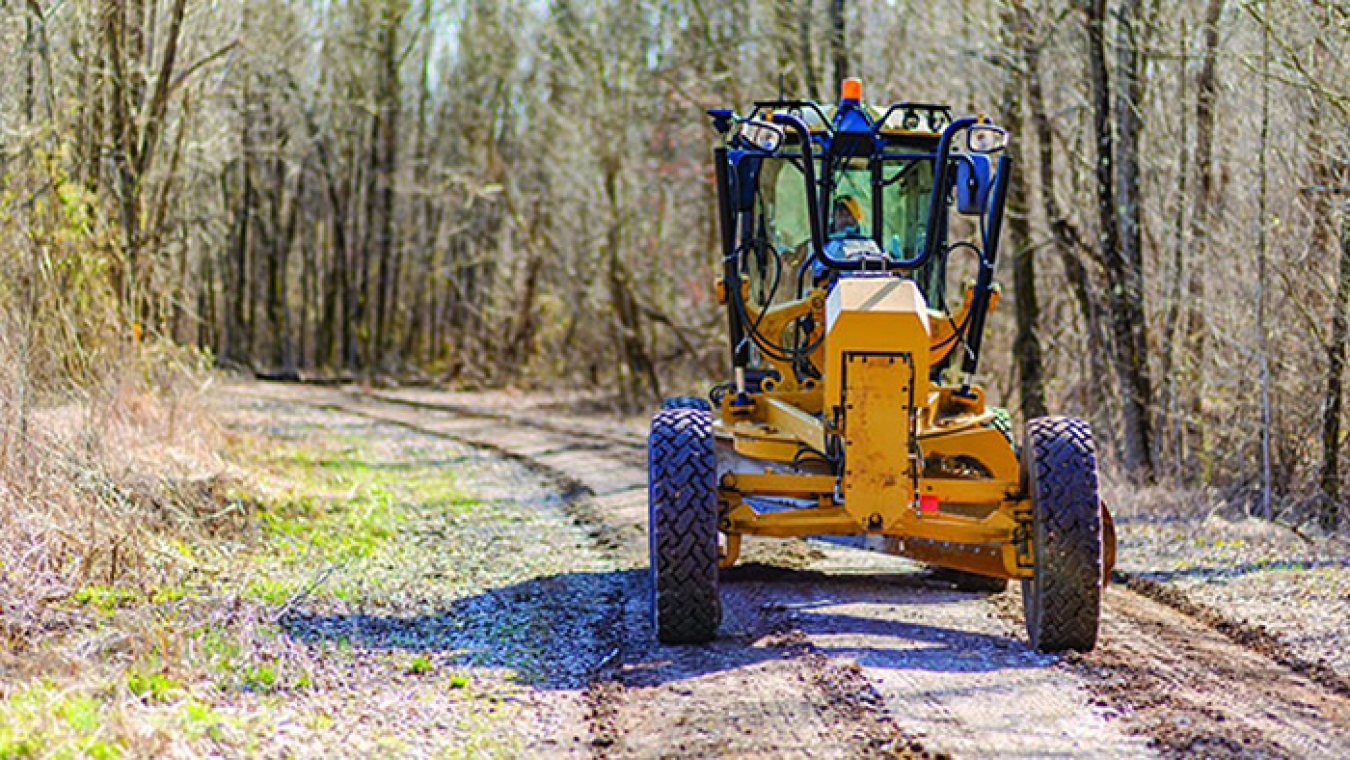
(106,460)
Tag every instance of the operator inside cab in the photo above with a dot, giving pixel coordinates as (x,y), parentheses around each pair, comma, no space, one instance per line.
(847,240)
(847,218)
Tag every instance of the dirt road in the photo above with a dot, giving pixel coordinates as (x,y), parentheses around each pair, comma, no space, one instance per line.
(827,652)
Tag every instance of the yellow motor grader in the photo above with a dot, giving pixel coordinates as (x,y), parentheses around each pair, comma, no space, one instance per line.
(852,413)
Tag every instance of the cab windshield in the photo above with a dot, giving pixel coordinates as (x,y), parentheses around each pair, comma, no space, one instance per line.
(783,227)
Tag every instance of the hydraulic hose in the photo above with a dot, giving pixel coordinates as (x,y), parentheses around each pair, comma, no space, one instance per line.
(985,281)
(937,204)
(809,171)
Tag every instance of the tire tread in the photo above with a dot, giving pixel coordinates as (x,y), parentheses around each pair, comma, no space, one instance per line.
(682,512)
(1063,600)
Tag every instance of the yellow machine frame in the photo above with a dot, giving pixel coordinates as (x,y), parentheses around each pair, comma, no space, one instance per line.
(925,472)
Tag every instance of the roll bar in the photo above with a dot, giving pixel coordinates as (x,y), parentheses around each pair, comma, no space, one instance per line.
(937,203)
(936,206)
(796,124)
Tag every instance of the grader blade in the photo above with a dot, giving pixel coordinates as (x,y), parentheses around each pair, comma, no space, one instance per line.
(983,559)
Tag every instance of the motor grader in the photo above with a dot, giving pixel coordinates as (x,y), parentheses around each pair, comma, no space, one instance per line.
(858,250)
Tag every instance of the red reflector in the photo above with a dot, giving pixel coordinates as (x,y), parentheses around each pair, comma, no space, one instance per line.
(928,503)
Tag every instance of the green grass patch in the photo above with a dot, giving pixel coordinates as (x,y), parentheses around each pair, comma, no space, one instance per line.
(104,598)
(101,750)
(12,747)
(236,667)
(44,720)
(420,665)
(319,721)
(198,720)
(342,521)
(169,595)
(151,687)
(80,713)
(261,678)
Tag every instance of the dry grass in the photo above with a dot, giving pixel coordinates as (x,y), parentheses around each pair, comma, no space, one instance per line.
(112,496)
(101,487)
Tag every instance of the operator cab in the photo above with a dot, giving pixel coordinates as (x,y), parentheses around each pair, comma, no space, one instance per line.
(812,193)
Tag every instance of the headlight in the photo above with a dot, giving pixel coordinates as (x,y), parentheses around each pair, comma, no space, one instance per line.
(760,134)
(986,138)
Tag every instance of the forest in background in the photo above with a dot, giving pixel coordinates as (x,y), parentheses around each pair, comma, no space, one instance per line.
(493,192)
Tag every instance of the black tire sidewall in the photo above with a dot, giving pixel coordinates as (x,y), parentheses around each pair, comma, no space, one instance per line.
(682,526)
(1062,600)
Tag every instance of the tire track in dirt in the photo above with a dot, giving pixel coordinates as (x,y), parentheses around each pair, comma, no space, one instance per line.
(778,698)
(1253,637)
(917,655)
(834,657)
(1199,693)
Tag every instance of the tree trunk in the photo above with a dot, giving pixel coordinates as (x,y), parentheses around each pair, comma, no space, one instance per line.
(838,45)
(89,103)
(788,60)
(237,295)
(1026,343)
(120,125)
(1125,285)
(1129,126)
(1262,278)
(806,31)
(1068,241)
(207,324)
(1330,476)
(284,216)
(1169,414)
(1202,222)
(520,348)
(29,75)
(308,291)
(1129,94)
(635,364)
(384,166)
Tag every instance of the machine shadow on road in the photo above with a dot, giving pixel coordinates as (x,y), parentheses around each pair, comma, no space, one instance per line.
(900,620)
(557,631)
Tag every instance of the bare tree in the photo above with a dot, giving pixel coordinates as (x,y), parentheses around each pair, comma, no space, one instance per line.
(1202,220)
(1119,257)
(516,192)
(1026,344)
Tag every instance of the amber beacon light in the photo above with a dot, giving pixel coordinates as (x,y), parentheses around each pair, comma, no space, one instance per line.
(851,90)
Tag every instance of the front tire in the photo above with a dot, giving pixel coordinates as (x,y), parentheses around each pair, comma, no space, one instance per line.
(682,526)
(1062,599)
